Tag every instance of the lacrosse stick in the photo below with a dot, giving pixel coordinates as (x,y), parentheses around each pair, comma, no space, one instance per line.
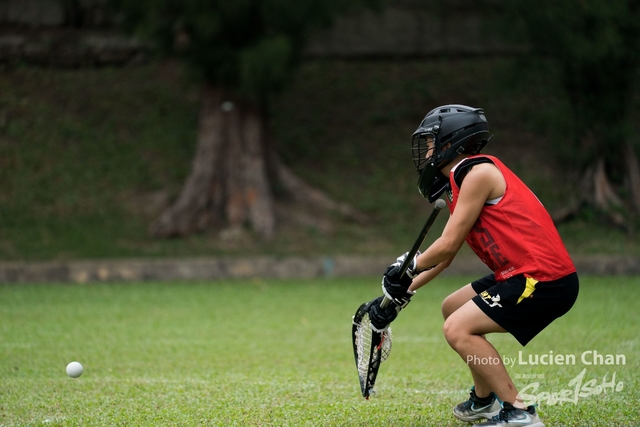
(370,348)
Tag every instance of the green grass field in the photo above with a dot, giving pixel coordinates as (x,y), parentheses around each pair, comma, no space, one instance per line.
(278,353)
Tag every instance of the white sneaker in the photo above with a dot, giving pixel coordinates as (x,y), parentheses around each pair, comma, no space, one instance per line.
(471,410)
(510,416)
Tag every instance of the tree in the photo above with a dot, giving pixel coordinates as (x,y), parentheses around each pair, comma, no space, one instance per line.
(596,45)
(244,51)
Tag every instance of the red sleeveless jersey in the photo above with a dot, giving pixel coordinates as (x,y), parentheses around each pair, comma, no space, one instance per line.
(516,235)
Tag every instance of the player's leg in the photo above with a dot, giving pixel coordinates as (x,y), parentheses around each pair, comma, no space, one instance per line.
(481,388)
(457,299)
(482,401)
(450,304)
(464,331)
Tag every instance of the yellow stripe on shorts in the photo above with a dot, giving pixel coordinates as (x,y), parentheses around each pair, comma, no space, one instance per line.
(528,289)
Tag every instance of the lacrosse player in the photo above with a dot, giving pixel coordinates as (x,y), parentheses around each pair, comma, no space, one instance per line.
(533,282)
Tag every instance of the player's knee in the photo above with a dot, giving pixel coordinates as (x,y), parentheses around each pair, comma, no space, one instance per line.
(456,331)
(452,333)
(448,307)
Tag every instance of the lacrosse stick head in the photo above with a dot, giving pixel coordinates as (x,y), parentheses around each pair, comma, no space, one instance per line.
(370,348)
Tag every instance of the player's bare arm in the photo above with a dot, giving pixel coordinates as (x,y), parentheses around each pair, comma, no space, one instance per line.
(427,276)
(483,182)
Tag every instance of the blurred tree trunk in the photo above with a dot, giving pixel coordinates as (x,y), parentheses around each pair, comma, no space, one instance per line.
(596,189)
(633,168)
(601,192)
(230,184)
(237,47)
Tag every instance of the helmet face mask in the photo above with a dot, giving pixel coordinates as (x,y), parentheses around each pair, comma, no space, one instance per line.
(421,145)
(444,133)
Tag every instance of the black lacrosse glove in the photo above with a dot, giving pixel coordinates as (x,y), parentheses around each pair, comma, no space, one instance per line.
(396,287)
(412,270)
(380,317)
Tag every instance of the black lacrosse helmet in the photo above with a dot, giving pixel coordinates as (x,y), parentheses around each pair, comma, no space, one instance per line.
(455,129)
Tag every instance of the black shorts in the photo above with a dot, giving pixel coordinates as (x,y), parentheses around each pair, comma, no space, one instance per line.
(522,306)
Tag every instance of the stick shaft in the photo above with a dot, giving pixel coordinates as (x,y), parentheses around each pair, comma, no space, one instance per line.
(416,246)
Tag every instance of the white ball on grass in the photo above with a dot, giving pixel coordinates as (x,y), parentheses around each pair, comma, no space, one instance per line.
(74,369)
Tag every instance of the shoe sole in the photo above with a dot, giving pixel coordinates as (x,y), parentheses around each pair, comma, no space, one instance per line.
(478,417)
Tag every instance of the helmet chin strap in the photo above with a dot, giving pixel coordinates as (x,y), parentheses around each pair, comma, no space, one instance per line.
(426,179)
(432,182)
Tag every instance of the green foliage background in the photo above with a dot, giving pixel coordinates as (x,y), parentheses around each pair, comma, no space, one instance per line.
(250,47)
(89,157)
(596,46)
